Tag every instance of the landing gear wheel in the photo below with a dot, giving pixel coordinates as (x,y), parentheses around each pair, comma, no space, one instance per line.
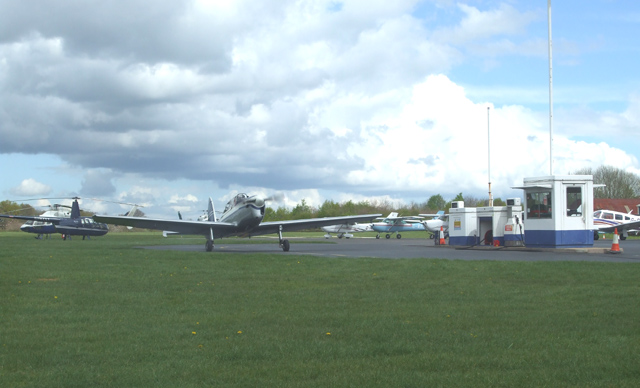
(432,236)
(208,246)
(285,245)
(388,236)
(622,238)
(596,235)
(377,236)
(398,236)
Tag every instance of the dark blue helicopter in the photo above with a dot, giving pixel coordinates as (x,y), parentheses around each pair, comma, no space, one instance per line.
(66,224)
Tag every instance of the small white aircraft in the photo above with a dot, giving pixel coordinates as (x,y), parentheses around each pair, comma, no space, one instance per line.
(609,221)
(346,230)
(395,224)
(438,220)
(241,217)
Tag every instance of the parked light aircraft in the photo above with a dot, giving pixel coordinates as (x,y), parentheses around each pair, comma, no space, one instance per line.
(609,220)
(346,230)
(439,220)
(242,217)
(72,225)
(395,224)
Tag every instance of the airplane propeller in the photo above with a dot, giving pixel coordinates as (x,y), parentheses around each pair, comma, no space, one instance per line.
(277,197)
(258,201)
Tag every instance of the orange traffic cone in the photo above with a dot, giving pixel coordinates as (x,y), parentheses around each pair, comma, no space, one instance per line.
(442,242)
(615,247)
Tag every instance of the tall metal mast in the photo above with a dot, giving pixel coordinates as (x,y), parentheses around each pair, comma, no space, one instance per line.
(550,92)
(489,156)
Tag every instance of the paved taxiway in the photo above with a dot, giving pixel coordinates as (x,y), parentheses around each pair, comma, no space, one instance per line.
(416,248)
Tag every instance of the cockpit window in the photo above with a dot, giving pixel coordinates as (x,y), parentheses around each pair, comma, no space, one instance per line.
(238,198)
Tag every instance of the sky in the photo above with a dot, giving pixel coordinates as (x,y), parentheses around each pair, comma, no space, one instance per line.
(385,101)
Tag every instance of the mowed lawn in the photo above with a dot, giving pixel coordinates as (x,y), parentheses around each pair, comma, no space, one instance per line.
(104,313)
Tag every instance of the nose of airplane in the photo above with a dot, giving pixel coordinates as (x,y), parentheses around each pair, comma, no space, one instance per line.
(259,201)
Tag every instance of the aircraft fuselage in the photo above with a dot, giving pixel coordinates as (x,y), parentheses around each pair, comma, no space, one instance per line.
(38,227)
(84,226)
(390,227)
(243,211)
(435,225)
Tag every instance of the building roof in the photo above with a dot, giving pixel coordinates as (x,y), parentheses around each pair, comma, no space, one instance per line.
(619,205)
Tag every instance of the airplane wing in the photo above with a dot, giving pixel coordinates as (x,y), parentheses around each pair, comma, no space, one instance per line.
(33,218)
(220,229)
(398,220)
(293,225)
(224,229)
(620,227)
(437,215)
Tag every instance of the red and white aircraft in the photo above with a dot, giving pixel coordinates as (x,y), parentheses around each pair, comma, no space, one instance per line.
(609,220)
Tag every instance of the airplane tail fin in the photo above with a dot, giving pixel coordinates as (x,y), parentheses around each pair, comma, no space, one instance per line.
(211,212)
(132,213)
(179,215)
(440,213)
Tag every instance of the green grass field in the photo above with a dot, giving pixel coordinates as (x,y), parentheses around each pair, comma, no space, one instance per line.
(103,313)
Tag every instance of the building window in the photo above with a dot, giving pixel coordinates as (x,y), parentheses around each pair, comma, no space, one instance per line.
(574,201)
(539,205)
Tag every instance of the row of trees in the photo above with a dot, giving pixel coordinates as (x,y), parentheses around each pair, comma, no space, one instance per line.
(619,184)
(334,209)
(22,209)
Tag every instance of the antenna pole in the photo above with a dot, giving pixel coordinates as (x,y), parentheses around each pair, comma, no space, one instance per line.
(550,92)
(489,156)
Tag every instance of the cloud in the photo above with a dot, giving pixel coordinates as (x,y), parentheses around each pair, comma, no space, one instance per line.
(354,98)
(477,25)
(98,183)
(30,188)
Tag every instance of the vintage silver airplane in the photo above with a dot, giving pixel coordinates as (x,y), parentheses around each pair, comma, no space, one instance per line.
(241,217)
